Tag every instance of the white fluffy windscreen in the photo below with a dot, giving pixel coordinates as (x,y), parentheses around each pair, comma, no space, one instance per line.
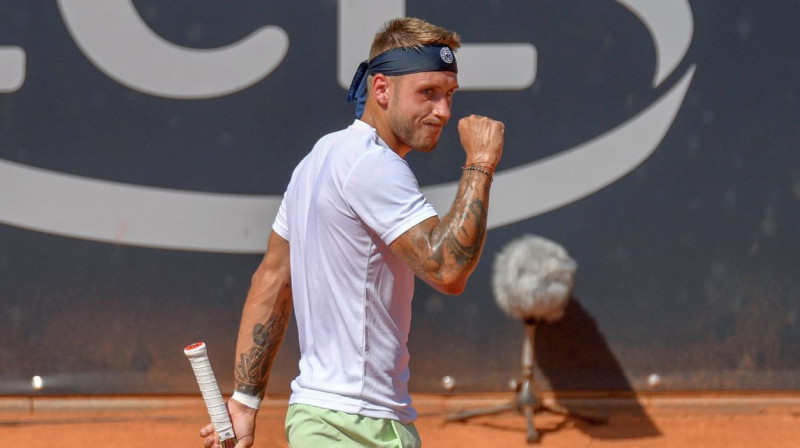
(533,278)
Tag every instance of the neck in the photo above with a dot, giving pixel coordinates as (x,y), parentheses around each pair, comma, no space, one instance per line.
(378,121)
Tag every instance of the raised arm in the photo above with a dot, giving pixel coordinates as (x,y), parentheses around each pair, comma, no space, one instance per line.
(265,317)
(445,252)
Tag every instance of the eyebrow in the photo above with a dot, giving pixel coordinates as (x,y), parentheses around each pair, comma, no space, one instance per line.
(436,86)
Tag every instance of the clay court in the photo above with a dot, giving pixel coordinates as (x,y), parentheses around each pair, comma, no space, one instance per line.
(658,420)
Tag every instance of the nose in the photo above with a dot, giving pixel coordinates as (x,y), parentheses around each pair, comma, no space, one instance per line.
(442,108)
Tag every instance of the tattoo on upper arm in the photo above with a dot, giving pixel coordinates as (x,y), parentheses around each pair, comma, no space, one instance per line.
(420,242)
(252,370)
(456,241)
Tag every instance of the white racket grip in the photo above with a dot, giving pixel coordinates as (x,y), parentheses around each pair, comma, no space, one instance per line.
(198,358)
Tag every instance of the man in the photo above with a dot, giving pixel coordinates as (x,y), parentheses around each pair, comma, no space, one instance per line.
(352,231)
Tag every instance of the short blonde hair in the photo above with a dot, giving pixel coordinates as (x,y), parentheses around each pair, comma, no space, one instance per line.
(411,32)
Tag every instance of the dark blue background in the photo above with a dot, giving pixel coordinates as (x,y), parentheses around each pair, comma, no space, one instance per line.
(688,266)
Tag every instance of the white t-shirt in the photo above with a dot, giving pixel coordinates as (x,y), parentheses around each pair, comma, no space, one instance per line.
(347,200)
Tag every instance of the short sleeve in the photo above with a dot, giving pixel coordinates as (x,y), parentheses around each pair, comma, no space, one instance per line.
(385,195)
(281,223)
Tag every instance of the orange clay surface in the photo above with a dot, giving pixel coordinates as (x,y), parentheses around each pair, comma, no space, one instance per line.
(654,420)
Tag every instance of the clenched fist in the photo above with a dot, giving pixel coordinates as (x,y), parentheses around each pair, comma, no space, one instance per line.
(482,139)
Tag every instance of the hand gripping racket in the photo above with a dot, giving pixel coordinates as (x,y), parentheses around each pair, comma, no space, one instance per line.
(198,358)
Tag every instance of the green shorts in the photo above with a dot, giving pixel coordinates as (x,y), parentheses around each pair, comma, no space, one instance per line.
(313,427)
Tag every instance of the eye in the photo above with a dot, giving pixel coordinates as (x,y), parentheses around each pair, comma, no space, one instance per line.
(427,93)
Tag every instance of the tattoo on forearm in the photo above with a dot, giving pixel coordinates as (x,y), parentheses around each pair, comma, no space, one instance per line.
(457,240)
(462,239)
(464,246)
(252,370)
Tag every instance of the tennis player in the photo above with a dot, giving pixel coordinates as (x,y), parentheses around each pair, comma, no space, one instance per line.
(352,231)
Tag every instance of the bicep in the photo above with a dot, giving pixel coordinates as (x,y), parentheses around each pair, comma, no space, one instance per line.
(275,268)
(420,251)
(277,255)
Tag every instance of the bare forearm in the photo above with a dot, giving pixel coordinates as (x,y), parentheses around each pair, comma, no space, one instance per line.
(457,241)
(445,252)
(264,321)
(258,344)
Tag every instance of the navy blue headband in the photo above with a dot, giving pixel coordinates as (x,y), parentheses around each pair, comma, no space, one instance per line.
(400,61)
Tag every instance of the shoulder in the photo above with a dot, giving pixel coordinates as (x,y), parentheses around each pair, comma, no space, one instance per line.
(331,139)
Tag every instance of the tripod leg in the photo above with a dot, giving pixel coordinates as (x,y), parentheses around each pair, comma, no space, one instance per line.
(526,398)
(555,408)
(465,415)
(533,434)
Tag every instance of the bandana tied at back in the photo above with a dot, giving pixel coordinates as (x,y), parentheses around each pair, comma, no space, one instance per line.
(400,61)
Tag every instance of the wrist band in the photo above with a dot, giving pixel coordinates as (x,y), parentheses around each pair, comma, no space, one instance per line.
(479,169)
(247,400)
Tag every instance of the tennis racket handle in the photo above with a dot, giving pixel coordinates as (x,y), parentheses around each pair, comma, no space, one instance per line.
(198,358)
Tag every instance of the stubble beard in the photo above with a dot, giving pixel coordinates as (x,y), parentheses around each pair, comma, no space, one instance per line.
(411,135)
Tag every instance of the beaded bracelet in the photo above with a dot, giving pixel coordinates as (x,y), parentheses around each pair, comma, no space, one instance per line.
(475,167)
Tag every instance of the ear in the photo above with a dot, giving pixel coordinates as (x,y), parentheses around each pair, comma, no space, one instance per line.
(381,86)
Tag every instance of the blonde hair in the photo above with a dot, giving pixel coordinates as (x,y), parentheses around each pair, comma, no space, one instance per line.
(411,32)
